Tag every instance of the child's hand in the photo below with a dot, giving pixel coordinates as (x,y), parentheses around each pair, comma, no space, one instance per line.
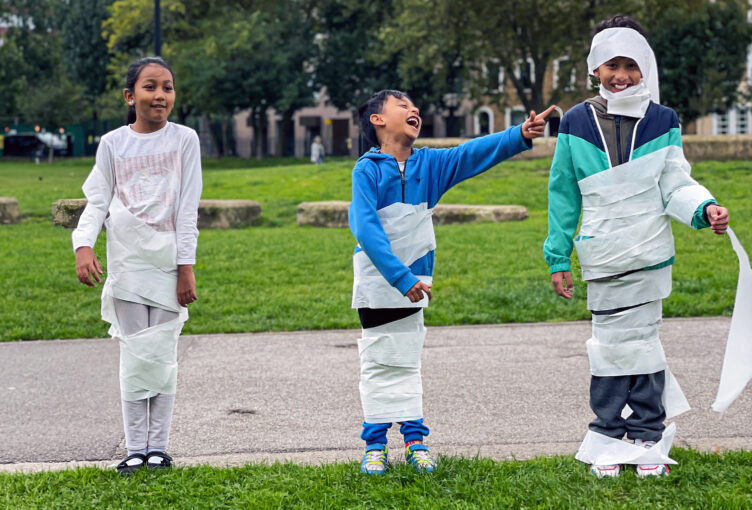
(718,218)
(87,266)
(534,126)
(559,279)
(186,285)
(415,294)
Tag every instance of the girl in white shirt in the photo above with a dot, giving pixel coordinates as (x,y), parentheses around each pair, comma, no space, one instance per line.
(145,187)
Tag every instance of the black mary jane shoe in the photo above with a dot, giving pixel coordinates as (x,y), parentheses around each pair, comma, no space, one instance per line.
(126,468)
(165,461)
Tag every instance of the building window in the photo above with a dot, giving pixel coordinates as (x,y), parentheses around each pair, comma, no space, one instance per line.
(742,121)
(722,123)
(565,73)
(493,72)
(484,121)
(525,72)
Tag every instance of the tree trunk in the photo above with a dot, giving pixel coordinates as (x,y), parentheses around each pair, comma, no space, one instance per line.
(216,142)
(259,132)
(287,126)
(224,126)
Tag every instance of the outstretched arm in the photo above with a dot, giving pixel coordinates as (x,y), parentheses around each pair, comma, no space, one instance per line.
(480,154)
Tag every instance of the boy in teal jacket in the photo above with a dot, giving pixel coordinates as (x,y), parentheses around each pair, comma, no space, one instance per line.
(619,162)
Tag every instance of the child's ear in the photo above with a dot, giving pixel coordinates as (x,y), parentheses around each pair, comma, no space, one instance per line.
(597,73)
(377,120)
(128,96)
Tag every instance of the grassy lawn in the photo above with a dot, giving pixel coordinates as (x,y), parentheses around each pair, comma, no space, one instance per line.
(277,276)
(699,481)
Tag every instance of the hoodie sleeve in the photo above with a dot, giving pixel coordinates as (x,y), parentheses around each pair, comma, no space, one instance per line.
(564,207)
(368,231)
(478,155)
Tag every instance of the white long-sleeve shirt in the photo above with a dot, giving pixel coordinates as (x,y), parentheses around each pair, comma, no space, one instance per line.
(157,176)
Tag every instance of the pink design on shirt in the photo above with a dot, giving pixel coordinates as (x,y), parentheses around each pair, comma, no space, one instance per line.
(149,187)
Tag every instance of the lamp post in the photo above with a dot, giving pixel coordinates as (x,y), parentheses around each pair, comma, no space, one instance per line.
(157,30)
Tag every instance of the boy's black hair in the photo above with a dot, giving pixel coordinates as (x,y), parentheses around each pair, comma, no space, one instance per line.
(619,21)
(131,77)
(374,105)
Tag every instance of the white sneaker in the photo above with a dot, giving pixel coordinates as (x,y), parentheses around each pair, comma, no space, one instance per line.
(605,470)
(646,470)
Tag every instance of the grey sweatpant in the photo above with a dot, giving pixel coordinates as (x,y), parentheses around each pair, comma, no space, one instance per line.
(147,421)
(643,393)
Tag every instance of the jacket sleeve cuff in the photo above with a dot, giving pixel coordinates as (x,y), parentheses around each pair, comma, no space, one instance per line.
(700,218)
(560,267)
(405,283)
(524,143)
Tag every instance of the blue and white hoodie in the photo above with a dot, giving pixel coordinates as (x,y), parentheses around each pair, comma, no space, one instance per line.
(390,213)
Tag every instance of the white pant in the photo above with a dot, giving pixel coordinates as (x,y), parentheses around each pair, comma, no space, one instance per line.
(147,421)
(391,388)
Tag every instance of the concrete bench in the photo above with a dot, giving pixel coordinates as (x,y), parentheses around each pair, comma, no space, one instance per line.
(334,213)
(227,213)
(67,211)
(9,212)
(211,213)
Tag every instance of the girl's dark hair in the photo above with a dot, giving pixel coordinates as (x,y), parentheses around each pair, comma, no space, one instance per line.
(374,105)
(131,77)
(619,21)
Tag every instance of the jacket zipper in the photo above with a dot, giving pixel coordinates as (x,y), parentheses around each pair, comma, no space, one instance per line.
(402,178)
(617,121)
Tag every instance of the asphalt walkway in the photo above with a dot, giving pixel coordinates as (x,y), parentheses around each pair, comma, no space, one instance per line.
(499,391)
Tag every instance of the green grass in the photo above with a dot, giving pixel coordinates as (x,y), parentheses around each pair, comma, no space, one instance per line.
(277,276)
(699,481)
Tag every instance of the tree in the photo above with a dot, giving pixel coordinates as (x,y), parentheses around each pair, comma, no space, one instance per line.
(433,52)
(701,55)
(248,55)
(37,89)
(84,48)
(351,64)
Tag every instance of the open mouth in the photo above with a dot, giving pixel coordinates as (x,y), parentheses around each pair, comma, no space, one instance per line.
(159,106)
(413,121)
(621,87)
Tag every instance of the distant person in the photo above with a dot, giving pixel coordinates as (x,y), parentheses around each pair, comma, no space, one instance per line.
(394,191)
(317,151)
(145,186)
(619,162)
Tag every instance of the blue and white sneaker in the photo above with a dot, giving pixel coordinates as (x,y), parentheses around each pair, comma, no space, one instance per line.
(646,470)
(417,454)
(374,459)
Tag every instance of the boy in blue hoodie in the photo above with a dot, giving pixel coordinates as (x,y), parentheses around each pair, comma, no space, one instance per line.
(395,188)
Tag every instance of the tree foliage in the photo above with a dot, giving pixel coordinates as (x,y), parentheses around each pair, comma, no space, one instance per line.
(34,83)
(352,63)
(701,52)
(248,54)
(84,48)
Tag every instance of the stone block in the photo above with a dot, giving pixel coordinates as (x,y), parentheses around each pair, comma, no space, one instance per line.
(9,212)
(323,214)
(211,213)
(446,214)
(334,213)
(227,213)
(67,211)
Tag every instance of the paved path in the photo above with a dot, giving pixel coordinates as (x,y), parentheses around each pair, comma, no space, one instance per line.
(501,391)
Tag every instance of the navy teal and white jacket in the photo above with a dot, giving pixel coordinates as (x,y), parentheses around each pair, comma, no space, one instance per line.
(390,212)
(625,204)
